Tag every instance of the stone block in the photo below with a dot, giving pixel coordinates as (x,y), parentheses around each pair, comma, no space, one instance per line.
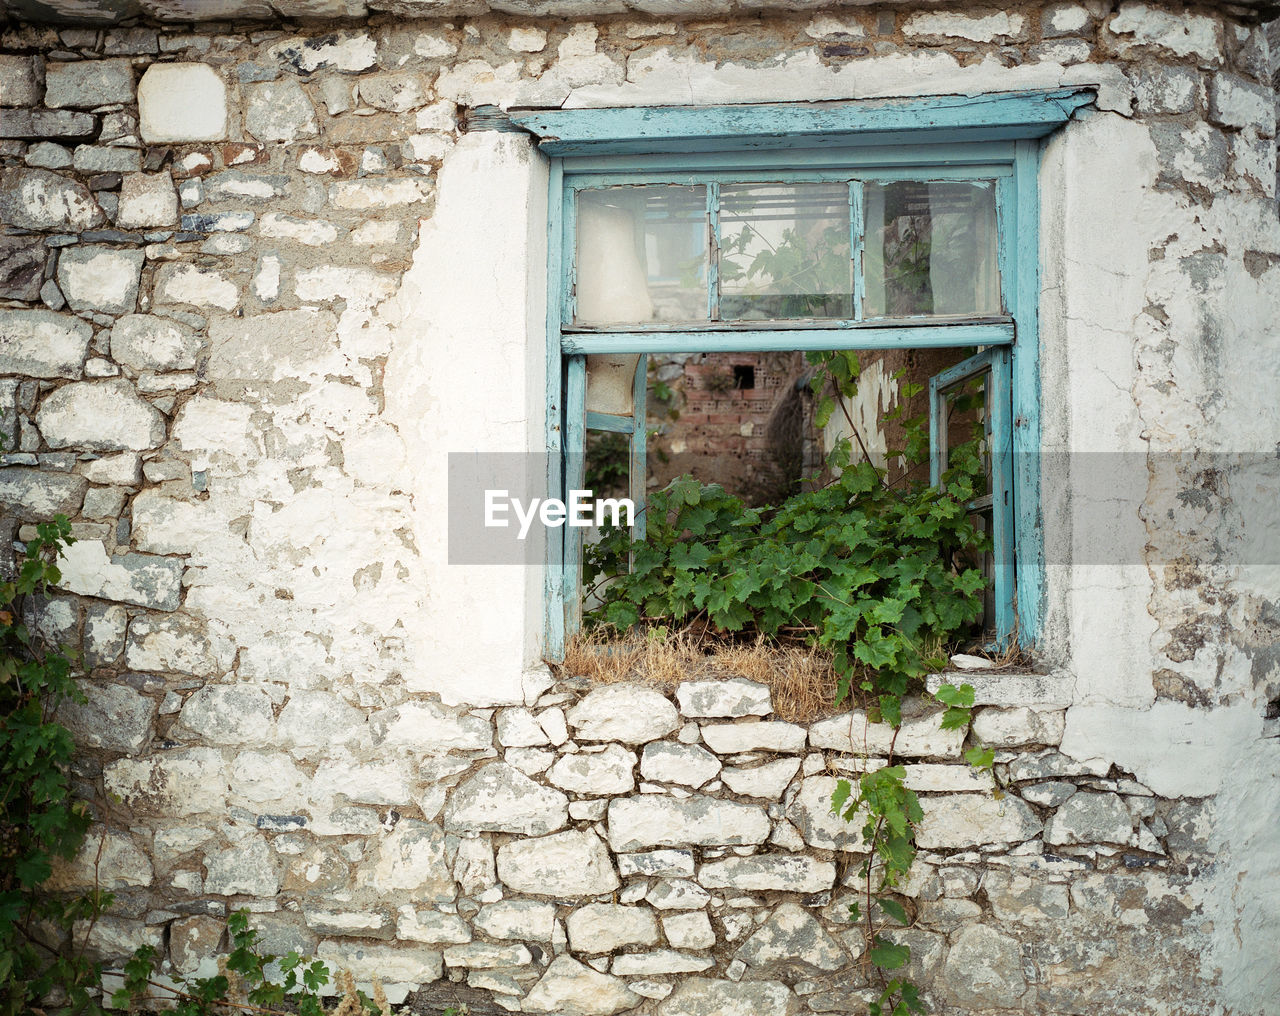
(1235,101)
(237,185)
(311,232)
(100,416)
(112,940)
(104,628)
(657,862)
(660,961)
(193,941)
(41,200)
(1003,26)
(566,864)
(689,930)
(184,783)
(700,996)
(339,51)
(227,713)
(967,820)
(676,894)
(370,194)
(367,922)
(1036,690)
(1087,817)
(1007,728)
(31,495)
(661,821)
(101,279)
(500,798)
(108,859)
(106,159)
(431,728)
(766,781)
(143,580)
(810,810)
(602,773)
(169,525)
(1182,34)
(411,862)
(395,91)
(87,84)
(792,936)
(279,111)
(398,968)
(604,927)
(147,201)
(182,102)
(316,718)
(522,920)
(527,40)
(147,343)
(486,955)
(770,735)
(113,717)
(919,736)
(793,873)
(23,77)
(47,155)
(688,765)
(415,924)
(196,286)
(732,698)
(178,644)
(43,344)
(569,986)
(22,261)
(984,969)
(1159,89)
(261,778)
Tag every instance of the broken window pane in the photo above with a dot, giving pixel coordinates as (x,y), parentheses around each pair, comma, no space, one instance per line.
(784,252)
(931,249)
(642,255)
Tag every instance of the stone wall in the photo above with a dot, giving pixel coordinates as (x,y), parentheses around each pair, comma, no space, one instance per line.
(253,277)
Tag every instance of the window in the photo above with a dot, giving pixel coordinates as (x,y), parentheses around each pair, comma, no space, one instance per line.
(876,226)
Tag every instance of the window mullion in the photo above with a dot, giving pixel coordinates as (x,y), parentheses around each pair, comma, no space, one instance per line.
(713,251)
(856,241)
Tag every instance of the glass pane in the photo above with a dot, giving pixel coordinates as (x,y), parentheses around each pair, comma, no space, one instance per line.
(642,255)
(931,249)
(784,252)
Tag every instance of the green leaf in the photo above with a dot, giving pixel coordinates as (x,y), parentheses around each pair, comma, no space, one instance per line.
(887,956)
(893,908)
(980,757)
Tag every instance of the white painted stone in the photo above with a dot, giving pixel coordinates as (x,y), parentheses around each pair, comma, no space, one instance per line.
(602,773)
(967,820)
(183,782)
(370,193)
(258,778)
(29,494)
(502,799)
(769,735)
(100,416)
(229,714)
(317,718)
(517,728)
(395,91)
(527,40)
(359,287)
(279,111)
(266,280)
(200,287)
(918,736)
(689,930)
(411,862)
(100,278)
(1087,817)
(1235,101)
(433,46)
(604,927)
(104,628)
(569,986)
(487,955)
(984,967)
(825,26)
(430,926)
(398,969)
(312,232)
(656,862)
(1182,34)
(732,698)
(167,525)
(41,200)
(660,820)
(339,51)
(1065,17)
(108,859)
(141,579)
(147,200)
(554,725)
(1035,690)
(766,781)
(977,28)
(147,343)
(1005,728)
(178,644)
(621,712)
(780,872)
(526,920)
(660,961)
(810,810)
(676,894)
(566,864)
(40,343)
(339,775)
(671,762)
(182,102)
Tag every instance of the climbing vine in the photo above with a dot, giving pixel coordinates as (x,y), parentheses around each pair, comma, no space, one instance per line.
(882,576)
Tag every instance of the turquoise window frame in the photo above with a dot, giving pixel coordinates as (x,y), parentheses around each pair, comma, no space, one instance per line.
(996,136)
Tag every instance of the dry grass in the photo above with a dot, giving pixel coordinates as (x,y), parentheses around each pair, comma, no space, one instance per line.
(801,680)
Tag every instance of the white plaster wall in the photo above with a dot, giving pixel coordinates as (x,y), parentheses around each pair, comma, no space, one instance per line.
(467,374)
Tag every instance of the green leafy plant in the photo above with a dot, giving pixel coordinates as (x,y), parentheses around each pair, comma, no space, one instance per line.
(41,821)
(244,982)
